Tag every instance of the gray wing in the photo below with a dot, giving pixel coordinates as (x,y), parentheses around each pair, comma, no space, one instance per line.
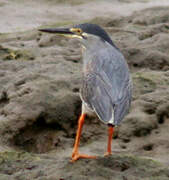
(107,86)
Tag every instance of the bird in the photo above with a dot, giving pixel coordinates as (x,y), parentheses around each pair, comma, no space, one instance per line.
(106,88)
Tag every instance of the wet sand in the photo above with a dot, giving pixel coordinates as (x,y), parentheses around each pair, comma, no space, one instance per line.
(40,77)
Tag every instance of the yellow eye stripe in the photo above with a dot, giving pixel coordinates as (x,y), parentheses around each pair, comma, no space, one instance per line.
(78,31)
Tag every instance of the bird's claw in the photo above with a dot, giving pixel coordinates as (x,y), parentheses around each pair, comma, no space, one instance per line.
(76,156)
(107,154)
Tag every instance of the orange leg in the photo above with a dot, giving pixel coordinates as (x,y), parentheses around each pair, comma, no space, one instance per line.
(75,154)
(110,135)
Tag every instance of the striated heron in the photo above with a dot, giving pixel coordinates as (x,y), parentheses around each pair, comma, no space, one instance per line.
(106,84)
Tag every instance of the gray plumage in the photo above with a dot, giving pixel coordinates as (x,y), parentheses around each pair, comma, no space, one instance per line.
(106,86)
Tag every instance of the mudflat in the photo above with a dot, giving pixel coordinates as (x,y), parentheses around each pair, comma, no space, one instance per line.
(40,78)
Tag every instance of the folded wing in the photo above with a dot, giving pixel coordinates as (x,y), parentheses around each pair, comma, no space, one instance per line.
(107,86)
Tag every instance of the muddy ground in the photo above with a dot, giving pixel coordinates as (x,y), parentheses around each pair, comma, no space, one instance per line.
(40,77)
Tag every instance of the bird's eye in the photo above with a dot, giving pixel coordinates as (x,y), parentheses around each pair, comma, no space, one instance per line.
(79,31)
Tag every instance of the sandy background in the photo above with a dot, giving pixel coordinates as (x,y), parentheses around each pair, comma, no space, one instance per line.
(40,77)
(21,15)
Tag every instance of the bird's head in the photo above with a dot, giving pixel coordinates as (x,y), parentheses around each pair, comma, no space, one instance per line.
(86,33)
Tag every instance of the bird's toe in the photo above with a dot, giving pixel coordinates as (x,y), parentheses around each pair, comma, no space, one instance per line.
(76,156)
(107,154)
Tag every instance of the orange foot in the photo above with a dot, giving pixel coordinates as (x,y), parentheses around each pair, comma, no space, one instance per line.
(107,154)
(76,156)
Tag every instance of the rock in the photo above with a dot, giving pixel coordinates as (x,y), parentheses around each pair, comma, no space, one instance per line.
(153,30)
(145,82)
(32,97)
(152,16)
(162,112)
(40,93)
(143,55)
(137,123)
(24,166)
(40,78)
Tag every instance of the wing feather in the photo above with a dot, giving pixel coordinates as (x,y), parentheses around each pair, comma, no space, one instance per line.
(107,85)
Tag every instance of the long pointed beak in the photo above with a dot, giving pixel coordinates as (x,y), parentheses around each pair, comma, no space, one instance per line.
(63,31)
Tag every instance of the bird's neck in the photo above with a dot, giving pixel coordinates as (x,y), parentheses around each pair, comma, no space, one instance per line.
(90,53)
